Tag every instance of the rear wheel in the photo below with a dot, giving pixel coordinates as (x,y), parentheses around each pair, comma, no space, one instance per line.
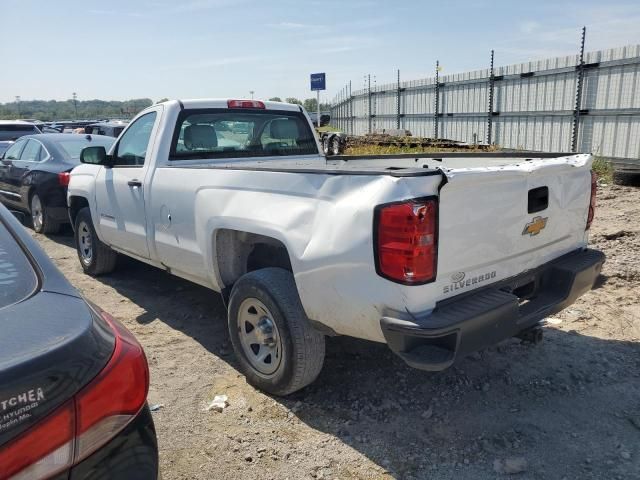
(95,257)
(40,218)
(277,348)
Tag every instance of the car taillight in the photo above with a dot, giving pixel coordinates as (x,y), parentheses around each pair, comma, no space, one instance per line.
(245,104)
(406,241)
(63,178)
(94,416)
(592,201)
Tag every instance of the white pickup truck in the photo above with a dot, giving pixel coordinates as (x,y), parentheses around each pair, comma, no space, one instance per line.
(436,255)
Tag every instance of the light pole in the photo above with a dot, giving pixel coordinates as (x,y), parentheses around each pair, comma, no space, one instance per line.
(18,102)
(75,103)
(251,92)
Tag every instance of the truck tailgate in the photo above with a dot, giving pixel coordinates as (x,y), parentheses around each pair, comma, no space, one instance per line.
(496,222)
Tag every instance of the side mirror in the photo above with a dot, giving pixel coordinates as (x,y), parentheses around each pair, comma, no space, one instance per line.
(95,156)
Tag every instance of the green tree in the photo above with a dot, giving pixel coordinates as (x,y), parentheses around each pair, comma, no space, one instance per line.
(293,100)
(275,99)
(310,104)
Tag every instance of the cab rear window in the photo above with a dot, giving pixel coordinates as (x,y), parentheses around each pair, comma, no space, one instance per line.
(233,133)
(18,280)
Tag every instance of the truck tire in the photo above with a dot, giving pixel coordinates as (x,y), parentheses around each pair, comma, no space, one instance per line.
(278,350)
(95,257)
(626,179)
(40,218)
(335,145)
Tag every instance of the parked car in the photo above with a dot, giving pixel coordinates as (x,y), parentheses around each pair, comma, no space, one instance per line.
(110,129)
(435,255)
(34,173)
(73,380)
(11,130)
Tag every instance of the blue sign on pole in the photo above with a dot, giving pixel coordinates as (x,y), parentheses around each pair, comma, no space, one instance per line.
(318,82)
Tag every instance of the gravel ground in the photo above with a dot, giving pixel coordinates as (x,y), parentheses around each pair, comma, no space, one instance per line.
(568,408)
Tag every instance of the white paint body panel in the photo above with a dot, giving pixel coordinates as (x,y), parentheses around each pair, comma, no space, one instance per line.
(325,220)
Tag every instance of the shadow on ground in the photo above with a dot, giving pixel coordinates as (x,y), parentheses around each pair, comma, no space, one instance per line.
(569,406)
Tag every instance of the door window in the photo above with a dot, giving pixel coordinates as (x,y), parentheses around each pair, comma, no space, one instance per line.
(31,152)
(133,145)
(13,153)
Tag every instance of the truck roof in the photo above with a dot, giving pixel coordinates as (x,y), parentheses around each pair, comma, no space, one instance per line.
(222,103)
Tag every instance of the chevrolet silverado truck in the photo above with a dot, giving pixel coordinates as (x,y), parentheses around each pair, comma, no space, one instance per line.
(437,255)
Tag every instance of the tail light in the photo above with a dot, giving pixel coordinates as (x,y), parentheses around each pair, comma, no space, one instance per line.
(94,416)
(406,241)
(63,178)
(245,104)
(592,201)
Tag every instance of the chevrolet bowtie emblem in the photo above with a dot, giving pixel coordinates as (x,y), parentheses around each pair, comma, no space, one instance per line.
(535,226)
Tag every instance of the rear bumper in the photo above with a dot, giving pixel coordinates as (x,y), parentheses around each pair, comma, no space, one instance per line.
(468,322)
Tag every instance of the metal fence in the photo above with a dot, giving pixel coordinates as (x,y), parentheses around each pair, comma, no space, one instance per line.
(589,102)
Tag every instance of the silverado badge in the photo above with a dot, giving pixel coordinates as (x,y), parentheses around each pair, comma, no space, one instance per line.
(535,226)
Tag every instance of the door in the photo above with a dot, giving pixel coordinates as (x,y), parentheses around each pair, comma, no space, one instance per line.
(10,168)
(21,175)
(120,189)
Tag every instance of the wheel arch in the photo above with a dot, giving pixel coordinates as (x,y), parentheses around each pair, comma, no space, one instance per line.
(236,252)
(76,203)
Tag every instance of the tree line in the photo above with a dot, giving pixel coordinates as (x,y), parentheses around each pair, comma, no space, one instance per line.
(50,110)
(309,104)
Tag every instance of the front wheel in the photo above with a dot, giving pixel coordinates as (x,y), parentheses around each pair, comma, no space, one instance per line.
(277,348)
(95,257)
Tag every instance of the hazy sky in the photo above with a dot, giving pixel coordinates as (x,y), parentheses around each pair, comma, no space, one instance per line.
(224,48)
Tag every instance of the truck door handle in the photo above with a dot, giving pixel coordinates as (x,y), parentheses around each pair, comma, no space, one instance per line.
(134,183)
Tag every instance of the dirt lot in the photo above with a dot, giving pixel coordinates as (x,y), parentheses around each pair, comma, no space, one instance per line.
(567,408)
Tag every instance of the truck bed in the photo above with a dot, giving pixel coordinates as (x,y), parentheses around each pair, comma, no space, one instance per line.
(395,165)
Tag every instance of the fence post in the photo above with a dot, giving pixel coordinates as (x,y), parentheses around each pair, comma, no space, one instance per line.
(437,101)
(579,80)
(490,109)
(350,110)
(398,103)
(369,99)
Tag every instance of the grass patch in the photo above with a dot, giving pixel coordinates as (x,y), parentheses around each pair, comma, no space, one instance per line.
(328,128)
(603,168)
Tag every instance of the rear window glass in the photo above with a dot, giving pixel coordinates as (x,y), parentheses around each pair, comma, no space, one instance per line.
(17,277)
(73,147)
(11,132)
(227,133)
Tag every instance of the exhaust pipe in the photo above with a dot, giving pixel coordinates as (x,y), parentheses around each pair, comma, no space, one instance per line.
(531,335)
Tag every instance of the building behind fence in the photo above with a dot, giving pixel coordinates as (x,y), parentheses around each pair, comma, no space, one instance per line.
(587,103)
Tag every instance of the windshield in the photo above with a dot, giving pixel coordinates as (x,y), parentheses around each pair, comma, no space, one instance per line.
(73,146)
(17,277)
(226,133)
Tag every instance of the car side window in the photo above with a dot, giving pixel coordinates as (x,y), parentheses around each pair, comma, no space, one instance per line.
(132,147)
(13,152)
(31,152)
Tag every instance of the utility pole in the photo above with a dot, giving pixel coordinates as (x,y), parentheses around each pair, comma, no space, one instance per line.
(251,92)
(18,102)
(579,80)
(75,103)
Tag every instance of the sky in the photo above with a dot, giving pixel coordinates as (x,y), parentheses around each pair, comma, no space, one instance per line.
(118,50)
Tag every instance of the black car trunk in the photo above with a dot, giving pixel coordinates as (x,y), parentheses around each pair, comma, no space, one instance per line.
(51,343)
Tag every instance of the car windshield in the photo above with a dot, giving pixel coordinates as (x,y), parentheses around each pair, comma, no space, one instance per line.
(14,131)
(73,146)
(226,133)
(17,278)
